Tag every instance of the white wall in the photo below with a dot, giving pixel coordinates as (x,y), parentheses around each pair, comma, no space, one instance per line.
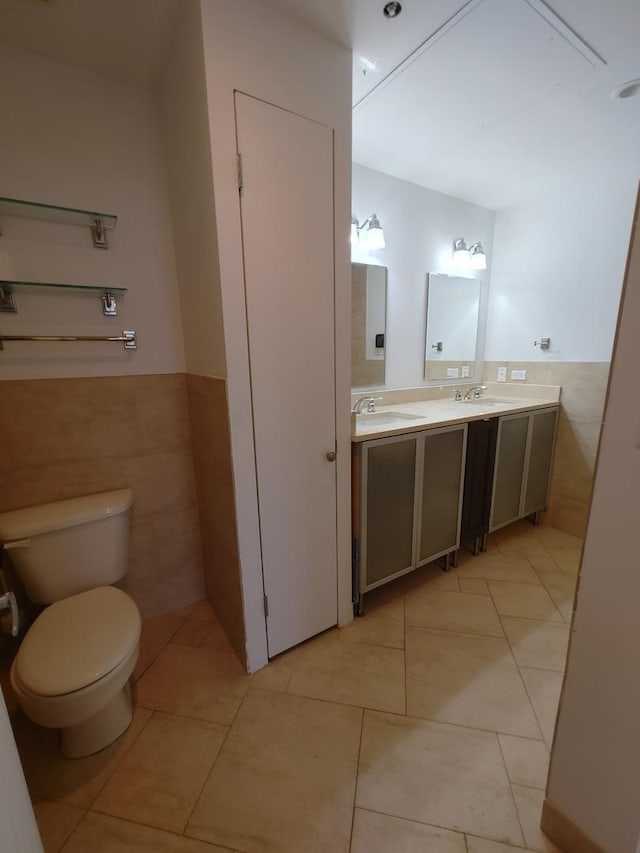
(71,138)
(253,48)
(420,226)
(595,765)
(557,272)
(188,144)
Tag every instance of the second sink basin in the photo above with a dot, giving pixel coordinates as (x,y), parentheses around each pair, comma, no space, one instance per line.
(385,418)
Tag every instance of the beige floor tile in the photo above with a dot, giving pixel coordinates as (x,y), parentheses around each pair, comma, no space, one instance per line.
(481,845)
(524,600)
(475,585)
(527,761)
(499,567)
(543,563)
(350,673)
(276,675)
(205,683)
(56,822)
(469,681)
(381,625)
(454,611)
(429,577)
(543,687)
(102,834)
(203,612)
(568,561)
(441,775)
(537,644)
(562,589)
(50,776)
(192,632)
(156,633)
(529,804)
(556,541)
(518,538)
(379,832)
(285,778)
(216,637)
(160,778)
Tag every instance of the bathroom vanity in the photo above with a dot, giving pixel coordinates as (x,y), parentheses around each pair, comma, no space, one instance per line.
(429,476)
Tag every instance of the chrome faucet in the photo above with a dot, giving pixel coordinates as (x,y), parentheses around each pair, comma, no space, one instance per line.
(457,395)
(370,401)
(475,393)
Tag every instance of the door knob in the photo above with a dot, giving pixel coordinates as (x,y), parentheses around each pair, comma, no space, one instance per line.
(331,456)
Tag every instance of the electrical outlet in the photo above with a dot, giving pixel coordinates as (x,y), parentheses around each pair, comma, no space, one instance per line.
(518,375)
(453,373)
(502,374)
(466,371)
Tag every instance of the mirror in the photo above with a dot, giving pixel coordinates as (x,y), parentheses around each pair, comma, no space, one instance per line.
(453,306)
(368,325)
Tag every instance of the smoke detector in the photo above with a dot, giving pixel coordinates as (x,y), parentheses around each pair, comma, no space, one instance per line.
(392,10)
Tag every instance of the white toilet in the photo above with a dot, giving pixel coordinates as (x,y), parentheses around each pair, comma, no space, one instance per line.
(72,669)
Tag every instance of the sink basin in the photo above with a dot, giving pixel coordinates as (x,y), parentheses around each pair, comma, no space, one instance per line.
(490,402)
(384,418)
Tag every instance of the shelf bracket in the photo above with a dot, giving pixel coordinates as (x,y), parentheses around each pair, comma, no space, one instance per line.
(7,300)
(99,234)
(109,304)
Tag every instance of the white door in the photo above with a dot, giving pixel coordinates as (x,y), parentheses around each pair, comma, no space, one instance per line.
(287,229)
(18,830)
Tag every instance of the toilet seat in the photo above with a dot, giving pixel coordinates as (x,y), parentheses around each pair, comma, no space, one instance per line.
(78,641)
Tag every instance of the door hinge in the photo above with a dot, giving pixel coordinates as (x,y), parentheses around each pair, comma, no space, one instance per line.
(240,177)
(265,602)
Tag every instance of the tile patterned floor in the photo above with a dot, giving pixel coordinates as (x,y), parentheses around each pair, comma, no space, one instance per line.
(423,727)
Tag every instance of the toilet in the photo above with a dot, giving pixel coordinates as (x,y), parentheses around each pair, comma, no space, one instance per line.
(72,669)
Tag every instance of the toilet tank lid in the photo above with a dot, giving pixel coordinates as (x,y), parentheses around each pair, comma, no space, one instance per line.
(35,520)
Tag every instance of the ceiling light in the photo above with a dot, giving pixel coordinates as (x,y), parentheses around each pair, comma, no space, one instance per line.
(627,90)
(392,10)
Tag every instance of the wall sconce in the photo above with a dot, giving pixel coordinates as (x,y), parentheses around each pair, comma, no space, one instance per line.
(471,257)
(370,233)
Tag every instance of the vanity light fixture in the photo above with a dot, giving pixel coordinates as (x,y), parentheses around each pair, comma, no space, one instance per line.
(370,233)
(471,257)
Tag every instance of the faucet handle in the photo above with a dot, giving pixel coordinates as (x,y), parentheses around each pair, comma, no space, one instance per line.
(8,601)
(457,395)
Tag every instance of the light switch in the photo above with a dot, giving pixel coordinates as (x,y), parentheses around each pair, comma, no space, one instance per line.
(502,374)
(466,372)
(453,373)
(518,374)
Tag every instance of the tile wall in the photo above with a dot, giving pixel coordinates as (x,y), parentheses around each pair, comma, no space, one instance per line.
(214,477)
(62,438)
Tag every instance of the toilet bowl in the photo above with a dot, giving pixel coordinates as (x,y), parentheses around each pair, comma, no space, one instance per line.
(72,669)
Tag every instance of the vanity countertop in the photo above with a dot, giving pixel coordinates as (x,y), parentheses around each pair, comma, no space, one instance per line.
(426,414)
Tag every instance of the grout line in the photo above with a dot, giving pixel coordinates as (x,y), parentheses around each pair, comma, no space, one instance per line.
(355,787)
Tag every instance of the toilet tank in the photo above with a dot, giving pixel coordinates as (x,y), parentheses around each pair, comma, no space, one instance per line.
(62,548)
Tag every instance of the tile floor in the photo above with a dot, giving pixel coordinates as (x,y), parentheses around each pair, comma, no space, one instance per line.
(423,727)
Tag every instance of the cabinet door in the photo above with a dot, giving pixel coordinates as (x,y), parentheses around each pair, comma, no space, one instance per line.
(509,472)
(388,509)
(441,474)
(542,439)
(478,478)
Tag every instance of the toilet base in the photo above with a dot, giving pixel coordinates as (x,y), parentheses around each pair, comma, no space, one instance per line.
(100,730)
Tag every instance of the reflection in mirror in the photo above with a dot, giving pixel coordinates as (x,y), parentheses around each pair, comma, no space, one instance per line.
(452,327)
(368,314)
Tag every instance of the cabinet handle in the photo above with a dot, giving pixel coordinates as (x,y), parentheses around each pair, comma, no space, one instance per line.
(331,456)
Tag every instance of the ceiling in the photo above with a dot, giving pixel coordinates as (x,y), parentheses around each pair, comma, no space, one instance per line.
(487,100)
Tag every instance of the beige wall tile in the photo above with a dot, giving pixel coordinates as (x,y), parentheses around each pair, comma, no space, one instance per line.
(71,437)
(216,503)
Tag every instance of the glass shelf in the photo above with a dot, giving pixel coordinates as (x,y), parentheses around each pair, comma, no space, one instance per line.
(93,288)
(107,294)
(55,213)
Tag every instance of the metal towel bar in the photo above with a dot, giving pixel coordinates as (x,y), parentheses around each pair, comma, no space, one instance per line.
(128,338)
